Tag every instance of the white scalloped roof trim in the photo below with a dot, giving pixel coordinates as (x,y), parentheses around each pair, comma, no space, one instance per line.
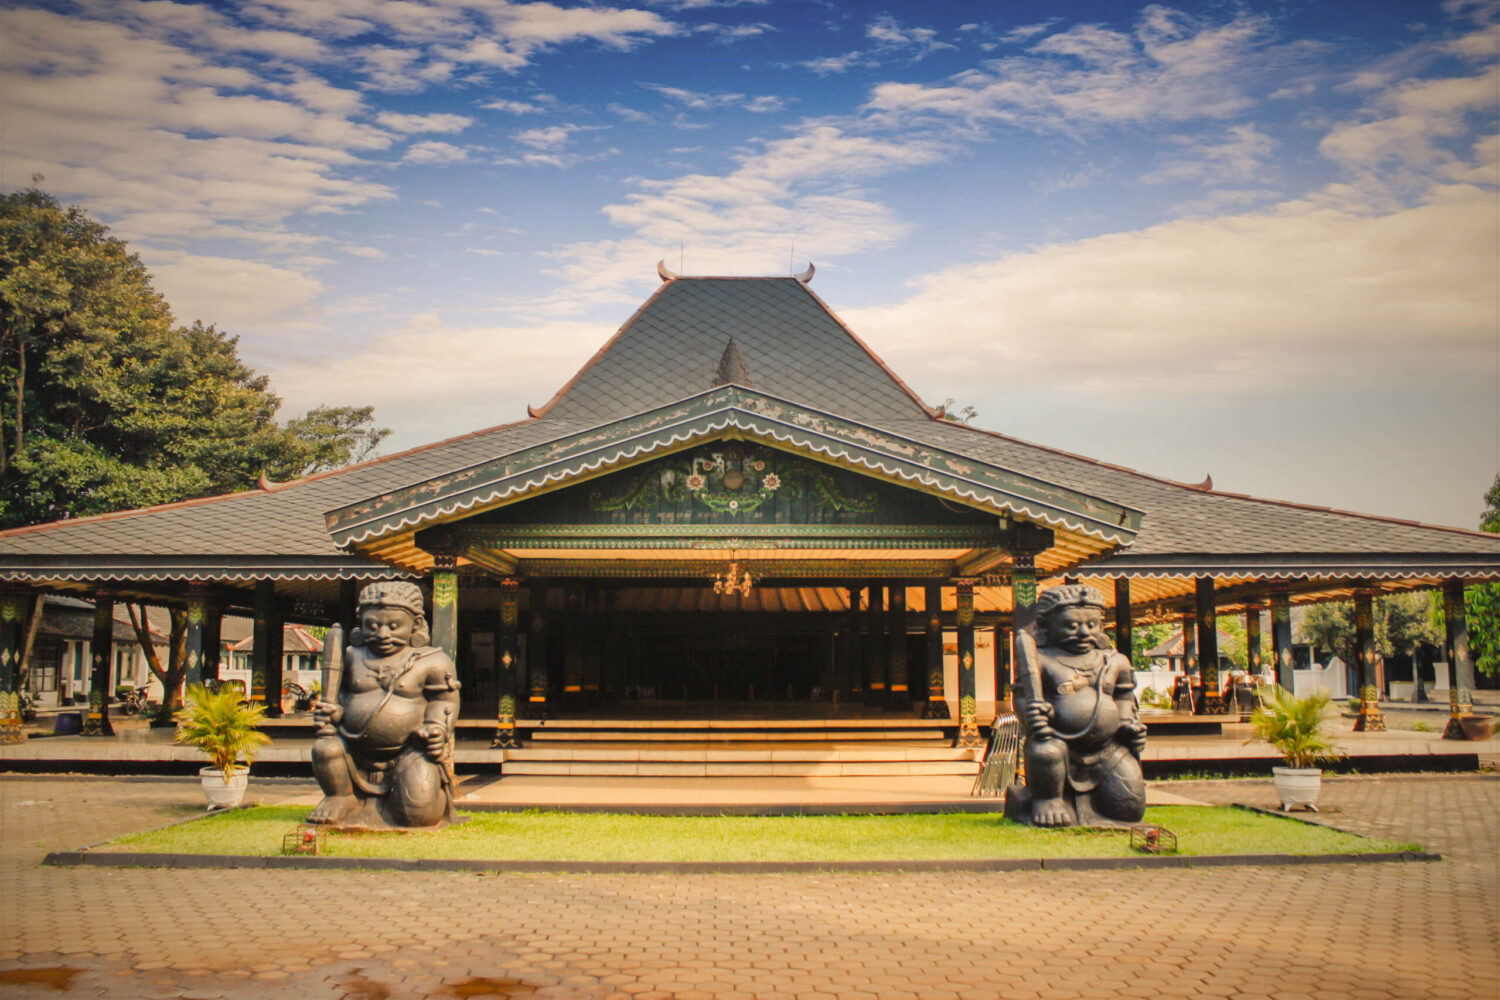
(203,576)
(732,419)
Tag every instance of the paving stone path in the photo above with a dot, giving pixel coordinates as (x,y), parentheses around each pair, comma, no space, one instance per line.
(1326,932)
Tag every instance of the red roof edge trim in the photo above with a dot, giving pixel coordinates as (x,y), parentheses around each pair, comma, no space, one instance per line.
(260,489)
(541,411)
(1221,493)
(931,411)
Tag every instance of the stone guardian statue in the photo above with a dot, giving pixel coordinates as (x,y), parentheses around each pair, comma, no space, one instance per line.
(383,749)
(1076,698)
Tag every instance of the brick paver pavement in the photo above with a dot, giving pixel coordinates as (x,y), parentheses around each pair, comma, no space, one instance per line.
(1323,931)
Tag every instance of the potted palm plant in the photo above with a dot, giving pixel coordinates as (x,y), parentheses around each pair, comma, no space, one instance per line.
(1292,726)
(225,729)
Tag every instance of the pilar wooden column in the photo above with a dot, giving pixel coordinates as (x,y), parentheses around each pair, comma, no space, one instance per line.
(445,604)
(1004,671)
(1208,647)
(896,647)
(593,639)
(1460,663)
(937,702)
(1369,718)
(1281,635)
(968,688)
(853,645)
(1190,659)
(507,657)
(536,655)
(1022,597)
(265,657)
(573,641)
(213,640)
(1124,640)
(102,654)
(193,638)
(348,612)
(875,649)
(12,624)
(1252,641)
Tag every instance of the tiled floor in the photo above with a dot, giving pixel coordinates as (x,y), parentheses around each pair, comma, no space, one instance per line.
(1419,930)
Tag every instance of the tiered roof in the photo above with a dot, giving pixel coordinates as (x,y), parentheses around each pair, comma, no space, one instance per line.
(776,354)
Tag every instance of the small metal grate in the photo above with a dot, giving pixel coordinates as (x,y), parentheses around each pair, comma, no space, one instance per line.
(305,839)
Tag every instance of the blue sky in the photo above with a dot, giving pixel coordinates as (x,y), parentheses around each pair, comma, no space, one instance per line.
(1257,240)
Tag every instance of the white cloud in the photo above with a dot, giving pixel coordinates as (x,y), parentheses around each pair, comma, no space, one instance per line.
(1170,68)
(1230,305)
(434,123)
(696,100)
(512,107)
(825,65)
(1238,157)
(231,293)
(889,33)
(1409,123)
(170,144)
(1026,32)
(765,104)
(370,253)
(797,189)
(551,137)
(432,152)
(727,34)
(505,368)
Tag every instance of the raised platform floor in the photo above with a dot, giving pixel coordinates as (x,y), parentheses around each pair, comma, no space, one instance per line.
(910,750)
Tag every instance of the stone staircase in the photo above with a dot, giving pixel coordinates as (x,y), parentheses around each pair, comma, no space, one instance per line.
(743,749)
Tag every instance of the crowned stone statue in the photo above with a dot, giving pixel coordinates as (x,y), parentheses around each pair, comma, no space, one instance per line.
(1076,698)
(383,753)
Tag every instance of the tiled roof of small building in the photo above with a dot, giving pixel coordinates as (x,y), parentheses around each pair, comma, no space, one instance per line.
(1187,519)
(285,521)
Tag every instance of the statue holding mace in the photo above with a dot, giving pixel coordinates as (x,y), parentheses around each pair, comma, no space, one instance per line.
(384,735)
(1076,697)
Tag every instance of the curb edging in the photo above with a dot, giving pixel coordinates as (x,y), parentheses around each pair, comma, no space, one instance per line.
(89,859)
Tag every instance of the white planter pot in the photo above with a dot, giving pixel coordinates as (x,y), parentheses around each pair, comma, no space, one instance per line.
(222,795)
(1297,786)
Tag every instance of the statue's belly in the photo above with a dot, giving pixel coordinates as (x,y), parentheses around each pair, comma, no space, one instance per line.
(387,729)
(1072,713)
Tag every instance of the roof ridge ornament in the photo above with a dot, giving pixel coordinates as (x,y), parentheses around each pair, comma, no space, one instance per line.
(1206,485)
(805,277)
(732,368)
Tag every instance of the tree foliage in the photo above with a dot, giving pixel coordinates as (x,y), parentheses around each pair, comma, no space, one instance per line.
(333,436)
(106,405)
(1402,622)
(1482,602)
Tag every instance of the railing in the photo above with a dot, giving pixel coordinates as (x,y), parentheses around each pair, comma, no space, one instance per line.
(999,768)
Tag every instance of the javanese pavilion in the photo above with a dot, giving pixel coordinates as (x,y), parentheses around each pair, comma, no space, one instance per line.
(734,510)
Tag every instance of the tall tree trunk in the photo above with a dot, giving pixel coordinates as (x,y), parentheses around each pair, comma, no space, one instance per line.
(20,396)
(170,676)
(4,454)
(29,642)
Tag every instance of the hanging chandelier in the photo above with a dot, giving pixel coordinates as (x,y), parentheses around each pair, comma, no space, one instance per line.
(732,581)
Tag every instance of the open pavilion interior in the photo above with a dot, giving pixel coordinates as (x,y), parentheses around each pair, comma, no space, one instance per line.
(735,509)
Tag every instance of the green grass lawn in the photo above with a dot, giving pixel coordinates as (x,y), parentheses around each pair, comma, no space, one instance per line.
(546,835)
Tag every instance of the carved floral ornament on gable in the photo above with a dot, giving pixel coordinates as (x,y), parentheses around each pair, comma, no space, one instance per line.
(731,478)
